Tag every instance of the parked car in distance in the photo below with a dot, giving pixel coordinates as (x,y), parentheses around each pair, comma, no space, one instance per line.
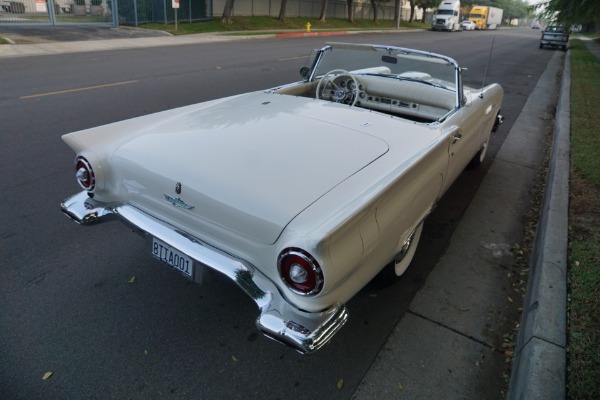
(300,194)
(555,36)
(535,25)
(468,25)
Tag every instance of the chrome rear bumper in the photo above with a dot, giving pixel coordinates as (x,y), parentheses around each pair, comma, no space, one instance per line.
(278,320)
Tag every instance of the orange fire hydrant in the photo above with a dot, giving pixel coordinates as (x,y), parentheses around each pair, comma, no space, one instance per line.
(308,27)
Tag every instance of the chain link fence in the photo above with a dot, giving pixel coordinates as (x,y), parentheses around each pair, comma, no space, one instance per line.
(55,12)
(135,12)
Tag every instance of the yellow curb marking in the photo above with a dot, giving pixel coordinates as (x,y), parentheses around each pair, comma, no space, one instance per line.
(76,90)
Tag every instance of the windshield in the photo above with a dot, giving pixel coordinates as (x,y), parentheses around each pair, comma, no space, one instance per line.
(445,12)
(393,62)
(554,28)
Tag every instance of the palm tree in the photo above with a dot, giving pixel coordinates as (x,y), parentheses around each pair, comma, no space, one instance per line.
(374,8)
(227,12)
(282,10)
(323,11)
(350,10)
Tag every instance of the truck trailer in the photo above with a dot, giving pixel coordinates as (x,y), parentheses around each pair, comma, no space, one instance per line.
(486,17)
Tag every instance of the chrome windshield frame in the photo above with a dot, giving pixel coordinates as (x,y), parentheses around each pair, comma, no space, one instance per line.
(408,52)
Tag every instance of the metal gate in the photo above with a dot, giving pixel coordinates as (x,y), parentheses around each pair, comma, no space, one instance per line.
(40,12)
(134,12)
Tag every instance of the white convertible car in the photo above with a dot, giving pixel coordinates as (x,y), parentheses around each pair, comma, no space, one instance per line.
(301,194)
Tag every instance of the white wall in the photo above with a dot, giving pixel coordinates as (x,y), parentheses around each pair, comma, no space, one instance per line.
(312,9)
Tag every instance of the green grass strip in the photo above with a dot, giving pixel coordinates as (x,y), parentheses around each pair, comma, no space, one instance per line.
(585,114)
(271,24)
(584,247)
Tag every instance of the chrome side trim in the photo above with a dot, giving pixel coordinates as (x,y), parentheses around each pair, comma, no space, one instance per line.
(278,320)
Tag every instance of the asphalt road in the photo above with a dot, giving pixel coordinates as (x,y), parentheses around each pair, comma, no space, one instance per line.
(92,305)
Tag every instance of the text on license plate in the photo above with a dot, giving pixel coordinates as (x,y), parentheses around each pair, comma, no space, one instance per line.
(173,257)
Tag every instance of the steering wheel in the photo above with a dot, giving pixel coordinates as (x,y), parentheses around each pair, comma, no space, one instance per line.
(338,94)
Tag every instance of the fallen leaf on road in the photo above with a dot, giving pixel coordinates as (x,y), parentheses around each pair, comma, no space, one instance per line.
(132,279)
(234,358)
(340,384)
(47,375)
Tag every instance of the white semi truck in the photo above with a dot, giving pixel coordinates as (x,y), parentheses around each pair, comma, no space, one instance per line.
(447,16)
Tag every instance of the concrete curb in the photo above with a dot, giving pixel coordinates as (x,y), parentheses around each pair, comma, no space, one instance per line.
(308,34)
(539,367)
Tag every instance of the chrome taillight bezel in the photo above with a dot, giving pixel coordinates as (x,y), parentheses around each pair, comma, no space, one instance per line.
(84,173)
(292,258)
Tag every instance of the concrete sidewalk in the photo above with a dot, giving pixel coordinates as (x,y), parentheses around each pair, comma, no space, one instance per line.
(449,344)
(35,41)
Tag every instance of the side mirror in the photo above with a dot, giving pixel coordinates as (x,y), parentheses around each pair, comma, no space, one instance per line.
(304,71)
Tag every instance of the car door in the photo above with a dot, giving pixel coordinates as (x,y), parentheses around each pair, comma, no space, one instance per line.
(463,131)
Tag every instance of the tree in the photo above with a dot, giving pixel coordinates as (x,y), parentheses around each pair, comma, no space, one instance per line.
(412,10)
(374,8)
(323,11)
(425,4)
(513,8)
(227,12)
(350,10)
(573,12)
(282,10)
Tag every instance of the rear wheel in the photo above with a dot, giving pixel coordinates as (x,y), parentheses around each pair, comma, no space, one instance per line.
(477,160)
(406,252)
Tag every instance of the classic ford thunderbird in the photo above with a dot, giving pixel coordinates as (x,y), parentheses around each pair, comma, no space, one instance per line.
(301,194)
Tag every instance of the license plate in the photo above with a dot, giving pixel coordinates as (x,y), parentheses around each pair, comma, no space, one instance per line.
(173,257)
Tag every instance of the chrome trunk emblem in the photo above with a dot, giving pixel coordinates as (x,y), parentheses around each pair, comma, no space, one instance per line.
(177,202)
(178,188)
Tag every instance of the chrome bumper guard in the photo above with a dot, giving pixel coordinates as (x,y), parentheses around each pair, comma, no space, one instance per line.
(278,320)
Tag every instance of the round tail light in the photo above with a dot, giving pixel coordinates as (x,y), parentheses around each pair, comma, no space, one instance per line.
(300,271)
(84,174)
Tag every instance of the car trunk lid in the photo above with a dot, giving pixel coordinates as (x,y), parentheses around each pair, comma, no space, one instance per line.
(248,165)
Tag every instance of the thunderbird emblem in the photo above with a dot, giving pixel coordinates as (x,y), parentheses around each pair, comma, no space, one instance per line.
(177,202)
